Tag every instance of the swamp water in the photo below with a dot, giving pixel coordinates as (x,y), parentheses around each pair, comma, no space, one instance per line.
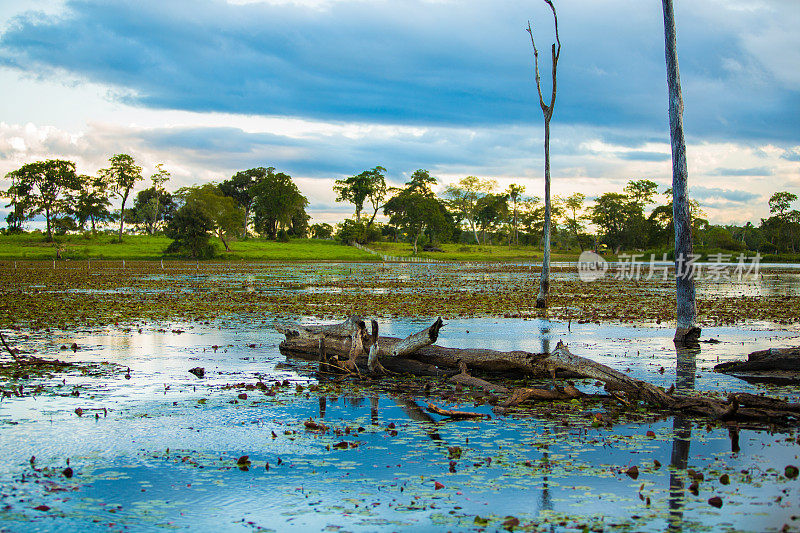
(159,450)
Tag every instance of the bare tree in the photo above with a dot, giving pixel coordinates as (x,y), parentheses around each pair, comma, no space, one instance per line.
(686,329)
(547,110)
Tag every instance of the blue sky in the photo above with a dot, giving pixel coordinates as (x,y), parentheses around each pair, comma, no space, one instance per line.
(325,89)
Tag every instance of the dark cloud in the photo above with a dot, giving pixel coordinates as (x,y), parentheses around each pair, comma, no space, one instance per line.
(714,196)
(334,155)
(415,62)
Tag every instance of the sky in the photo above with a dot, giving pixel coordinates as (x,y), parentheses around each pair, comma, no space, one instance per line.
(324,89)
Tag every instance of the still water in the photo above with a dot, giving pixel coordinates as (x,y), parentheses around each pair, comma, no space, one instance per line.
(159,450)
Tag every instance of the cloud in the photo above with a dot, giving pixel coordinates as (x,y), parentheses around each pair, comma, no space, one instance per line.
(645,156)
(755,171)
(464,63)
(791,154)
(718,197)
(316,154)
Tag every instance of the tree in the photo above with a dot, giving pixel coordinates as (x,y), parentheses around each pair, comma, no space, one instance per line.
(492,211)
(241,188)
(322,230)
(531,219)
(641,191)
(21,202)
(464,196)
(369,185)
(46,186)
(612,213)
(150,207)
(780,202)
(120,178)
(276,200)
(415,209)
(159,178)
(221,210)
(189,229)
(686,329)
(547,111)
(514,193)
(573,205)
(92,204)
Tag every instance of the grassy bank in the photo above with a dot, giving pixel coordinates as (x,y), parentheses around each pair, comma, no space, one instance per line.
(32,246)
(146,247)
(473,252)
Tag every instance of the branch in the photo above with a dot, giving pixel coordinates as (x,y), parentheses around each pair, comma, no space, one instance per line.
(555,19)
(536,64)
(547,110)
(12,352)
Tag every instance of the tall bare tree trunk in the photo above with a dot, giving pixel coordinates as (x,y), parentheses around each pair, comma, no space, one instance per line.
(686,329)
(544,280)
(547,111)
(122,215)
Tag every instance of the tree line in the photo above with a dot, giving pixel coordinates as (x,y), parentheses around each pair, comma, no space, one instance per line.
(265,202)
(260,198)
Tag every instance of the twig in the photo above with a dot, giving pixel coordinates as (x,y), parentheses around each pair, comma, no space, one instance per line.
(12,352)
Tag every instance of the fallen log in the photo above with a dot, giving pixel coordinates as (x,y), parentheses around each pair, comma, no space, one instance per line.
(745,407)
(623,388)
(464,378)
(418,340)
(303,341)
(776,365)
(455,414)
(562,358)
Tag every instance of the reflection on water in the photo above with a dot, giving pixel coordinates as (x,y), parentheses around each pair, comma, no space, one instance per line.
(165,456)
(685,368)
(772,279)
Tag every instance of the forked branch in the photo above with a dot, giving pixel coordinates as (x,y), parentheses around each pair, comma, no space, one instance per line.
(555,50)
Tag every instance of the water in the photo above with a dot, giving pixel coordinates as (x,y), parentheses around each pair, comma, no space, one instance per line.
(163,454)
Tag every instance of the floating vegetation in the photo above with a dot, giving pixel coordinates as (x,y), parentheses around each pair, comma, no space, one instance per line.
(76,294)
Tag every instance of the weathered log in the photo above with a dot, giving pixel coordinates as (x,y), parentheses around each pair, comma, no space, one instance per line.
(739,407)
(455,414)
(562,358)
(414,342)
(373,363)
(304,340)
(465,378)
(523,394)
(776,365)
(742,406)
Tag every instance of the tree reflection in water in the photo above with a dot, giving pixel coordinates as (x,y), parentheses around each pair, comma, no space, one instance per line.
(686,357)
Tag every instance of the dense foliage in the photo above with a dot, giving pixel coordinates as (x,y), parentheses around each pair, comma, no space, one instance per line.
(471,210)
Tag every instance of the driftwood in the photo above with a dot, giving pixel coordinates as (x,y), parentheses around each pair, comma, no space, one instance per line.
(350,339)
(569,392)
(776,365)
(303,341)
(454,414)
(464,378)
(414,342)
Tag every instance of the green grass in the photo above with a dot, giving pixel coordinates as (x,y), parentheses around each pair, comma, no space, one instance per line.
(103,246)
(32,246)
(472,252)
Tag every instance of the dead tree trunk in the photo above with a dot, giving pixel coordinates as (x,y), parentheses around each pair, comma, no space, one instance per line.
(303,341)
(414,342)
(342,339)
(686,328)
(547,111)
